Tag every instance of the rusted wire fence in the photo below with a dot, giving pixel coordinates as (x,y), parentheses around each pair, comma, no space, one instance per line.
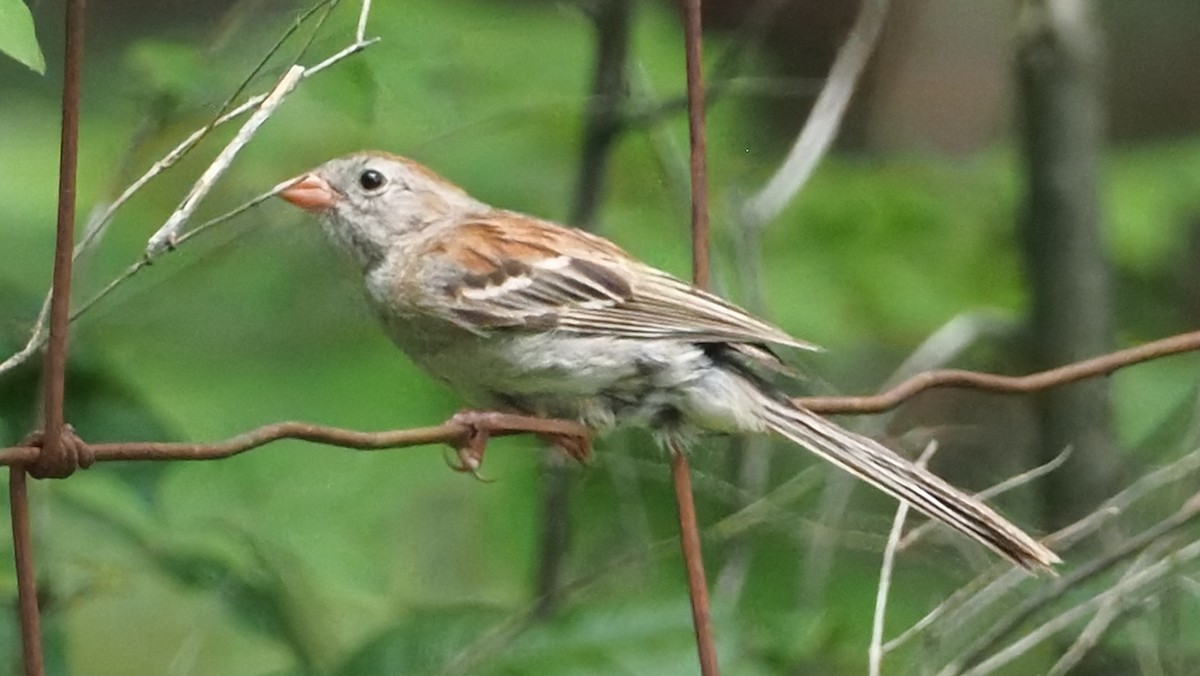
(56,452)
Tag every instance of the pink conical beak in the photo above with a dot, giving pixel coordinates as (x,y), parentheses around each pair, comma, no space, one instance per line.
(311,193)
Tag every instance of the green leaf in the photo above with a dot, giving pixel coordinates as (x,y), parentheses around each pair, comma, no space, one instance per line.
(17,37)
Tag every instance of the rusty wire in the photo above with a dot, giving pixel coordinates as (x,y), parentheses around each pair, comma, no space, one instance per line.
(451,432)
(56,461)
(27,608)
(57,452)
(1102,365)
(696,139)
(57,458)
(689,532)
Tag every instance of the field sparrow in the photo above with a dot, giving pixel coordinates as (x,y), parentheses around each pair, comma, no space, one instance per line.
(521,315)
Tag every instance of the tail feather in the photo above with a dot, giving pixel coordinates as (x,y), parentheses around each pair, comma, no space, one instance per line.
(874,463)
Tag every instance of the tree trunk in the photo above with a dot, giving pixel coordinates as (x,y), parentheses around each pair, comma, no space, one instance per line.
(1058,75)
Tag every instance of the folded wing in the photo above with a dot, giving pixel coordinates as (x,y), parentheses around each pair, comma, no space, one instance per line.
(537,275)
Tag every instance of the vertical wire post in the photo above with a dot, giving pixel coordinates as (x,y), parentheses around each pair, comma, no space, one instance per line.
(696,138)
(54,373)
(52,460)
(689,533)
(31,630)
(689,540)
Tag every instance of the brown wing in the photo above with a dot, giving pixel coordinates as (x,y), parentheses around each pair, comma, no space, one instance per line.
(534,274)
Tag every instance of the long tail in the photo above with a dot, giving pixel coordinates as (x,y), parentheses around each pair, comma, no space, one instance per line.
(903,480)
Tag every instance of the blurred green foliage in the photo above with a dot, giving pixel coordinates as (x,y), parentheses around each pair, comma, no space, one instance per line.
(297,559)
(17,37)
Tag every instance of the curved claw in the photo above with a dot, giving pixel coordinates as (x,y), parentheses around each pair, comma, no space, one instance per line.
(480,478)
(456,466)
(464,462)
(470,450)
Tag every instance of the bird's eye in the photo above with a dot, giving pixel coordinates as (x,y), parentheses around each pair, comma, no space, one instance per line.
(370,179)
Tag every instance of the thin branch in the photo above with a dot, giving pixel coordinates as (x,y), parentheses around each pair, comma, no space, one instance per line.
(998,489)
(37,337)
(161,165)
(961,597)
(361,31)
(978,595)
(1087,571)
(1125,592)
(143,262)
(1148,484)
(823,121)
(1025,477)
(167,236)
(337,57)
(1042,380)
(100,221)
(875,650)
(36,340)
(1108,613)
(762,508)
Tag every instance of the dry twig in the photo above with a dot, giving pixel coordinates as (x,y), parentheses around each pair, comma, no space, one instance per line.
(1129,590)
(37,337)
(1186,514)
(992,491)
(823,122)
(875,650)
(977,596)
(167,236)
(1108,613)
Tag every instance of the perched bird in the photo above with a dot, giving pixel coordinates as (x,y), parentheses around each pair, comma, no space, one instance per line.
(522,315)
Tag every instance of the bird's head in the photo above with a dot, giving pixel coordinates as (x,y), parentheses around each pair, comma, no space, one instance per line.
(370,201)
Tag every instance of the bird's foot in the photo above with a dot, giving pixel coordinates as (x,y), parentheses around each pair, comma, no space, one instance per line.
(470,448)
(571,439)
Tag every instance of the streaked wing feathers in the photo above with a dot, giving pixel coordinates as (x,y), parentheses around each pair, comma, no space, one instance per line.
(522,272)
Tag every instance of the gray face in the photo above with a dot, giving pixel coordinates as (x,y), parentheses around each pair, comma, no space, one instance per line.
(383,198)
